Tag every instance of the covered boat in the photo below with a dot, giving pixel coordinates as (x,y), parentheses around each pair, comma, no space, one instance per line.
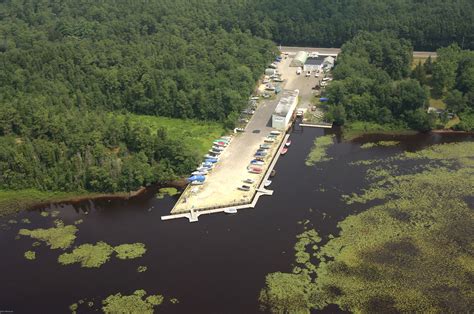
(197,178)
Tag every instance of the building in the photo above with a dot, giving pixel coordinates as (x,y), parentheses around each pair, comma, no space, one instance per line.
(300,59)
(314,64)
(329,62)
(281,117)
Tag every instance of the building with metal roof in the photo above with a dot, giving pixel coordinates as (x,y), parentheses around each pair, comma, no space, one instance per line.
(281,117)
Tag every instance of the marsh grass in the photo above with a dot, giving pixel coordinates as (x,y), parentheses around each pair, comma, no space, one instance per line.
(380,144)
(319,151)
(142,269)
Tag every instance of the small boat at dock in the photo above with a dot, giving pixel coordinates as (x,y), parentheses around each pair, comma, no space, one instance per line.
(284,150)
(273,173)
(288,143)
(230,211)
(267,183)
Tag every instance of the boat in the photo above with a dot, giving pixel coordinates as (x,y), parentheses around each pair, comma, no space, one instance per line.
(288,143)
(230,211)
(269,140)
(197,183)
(273,173)
(214,151)
(211,160)
(220,144)
(255,169)
(203,169)
(218,148)
(275,132)
(249,181)
(257,162)
(284,150)
(197,178)
(209,156)
(265,146)
(244,188)
(199,173)
(267,183)
(259,158)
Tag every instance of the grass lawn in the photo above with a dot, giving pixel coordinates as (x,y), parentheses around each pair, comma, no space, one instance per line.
(437,103)
(355,129)
(197,135)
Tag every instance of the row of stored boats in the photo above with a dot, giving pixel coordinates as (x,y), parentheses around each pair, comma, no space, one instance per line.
(198,177)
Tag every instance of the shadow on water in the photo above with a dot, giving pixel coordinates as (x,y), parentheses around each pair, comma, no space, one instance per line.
(217,265)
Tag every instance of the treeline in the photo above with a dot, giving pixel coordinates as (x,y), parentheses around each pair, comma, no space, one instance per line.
(428,24)
(371,83)
(75,150)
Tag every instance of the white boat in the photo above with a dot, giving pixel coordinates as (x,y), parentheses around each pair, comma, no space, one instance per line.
(269,140)
(275,132)
(230,211)
(244,188)
(218,148)
(199,173)
(267,183)
(197,183)
(249,181)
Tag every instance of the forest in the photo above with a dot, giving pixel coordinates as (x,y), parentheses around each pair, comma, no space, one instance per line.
(72,69)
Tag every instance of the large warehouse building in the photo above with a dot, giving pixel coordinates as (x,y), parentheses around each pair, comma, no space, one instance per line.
(284,110)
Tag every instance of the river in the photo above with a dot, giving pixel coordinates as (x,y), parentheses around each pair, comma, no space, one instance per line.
(217,265)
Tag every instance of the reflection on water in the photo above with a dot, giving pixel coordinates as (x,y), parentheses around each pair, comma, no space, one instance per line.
(217,265)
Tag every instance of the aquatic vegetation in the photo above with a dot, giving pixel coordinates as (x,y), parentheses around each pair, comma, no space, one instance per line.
(318,152)
(44,214)
(142,269)
(36,243)
(390,257)
(73,307)
(55,213)
(285,293)
(134,303)
(174,301)
(89,255)
(31,255)
(58,237)
(380,143)
(78,222)
(166,191)
(12,221)
(129,251)
(26,221)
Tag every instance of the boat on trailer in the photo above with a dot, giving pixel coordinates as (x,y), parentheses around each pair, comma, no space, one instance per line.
(275,132)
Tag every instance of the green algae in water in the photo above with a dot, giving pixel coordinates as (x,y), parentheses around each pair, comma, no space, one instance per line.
(174,301)
(36,243)
(142,269)
(89,255)
(129,251)
(26,221)
(30,255)
(134,303)
(59,237)
(44,214)
(55,213)
(73,307)
(166,191)
(12,221)
(318,152)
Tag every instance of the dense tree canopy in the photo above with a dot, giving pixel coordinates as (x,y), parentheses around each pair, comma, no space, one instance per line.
(372,84)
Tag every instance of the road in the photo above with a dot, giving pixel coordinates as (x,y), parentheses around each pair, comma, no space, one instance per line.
(418,54)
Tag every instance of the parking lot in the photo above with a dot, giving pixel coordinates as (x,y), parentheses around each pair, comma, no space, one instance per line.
(220,188)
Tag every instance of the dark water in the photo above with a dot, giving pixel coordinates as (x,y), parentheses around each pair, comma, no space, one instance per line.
(217,265)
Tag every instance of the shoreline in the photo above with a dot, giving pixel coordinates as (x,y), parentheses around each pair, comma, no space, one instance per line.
(31,199)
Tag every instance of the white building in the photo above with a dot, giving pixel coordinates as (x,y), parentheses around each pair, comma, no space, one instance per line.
(284,110)
(329,62)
